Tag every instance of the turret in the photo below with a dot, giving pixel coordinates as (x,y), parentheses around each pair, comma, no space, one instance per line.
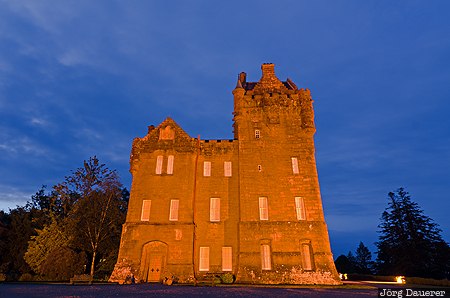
(238,93)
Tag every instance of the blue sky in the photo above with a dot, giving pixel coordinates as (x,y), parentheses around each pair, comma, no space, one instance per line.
(83,78)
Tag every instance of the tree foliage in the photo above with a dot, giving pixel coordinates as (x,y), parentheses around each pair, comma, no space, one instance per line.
(55,232)
(62,263)
(363,259)
(344,265)
(42,243)
(93,201)
(360,262)
(50,242)
(20,226)
(410,243)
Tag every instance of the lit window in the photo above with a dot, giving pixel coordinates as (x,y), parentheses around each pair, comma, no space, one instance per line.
(207,168)
(145,213)
(265,257)
(263,209)
(159,163)
(307,258)
(227,168)
(259,168)
(204,259)
(300,208)
(227,259)
(173,215)
(257,134)
(294,165)
(170,165)
(214,209)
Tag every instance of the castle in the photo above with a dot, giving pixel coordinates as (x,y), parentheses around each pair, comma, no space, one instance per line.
(250,206)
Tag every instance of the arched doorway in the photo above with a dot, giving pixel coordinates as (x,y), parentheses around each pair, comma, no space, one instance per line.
(153,261)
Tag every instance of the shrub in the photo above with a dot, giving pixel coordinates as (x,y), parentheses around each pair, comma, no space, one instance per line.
(26,277)
(227,278)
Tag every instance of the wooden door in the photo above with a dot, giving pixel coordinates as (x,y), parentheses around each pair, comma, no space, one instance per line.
(154,256)
(154,268)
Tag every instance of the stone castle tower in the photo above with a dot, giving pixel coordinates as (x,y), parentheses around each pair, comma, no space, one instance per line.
(250,206)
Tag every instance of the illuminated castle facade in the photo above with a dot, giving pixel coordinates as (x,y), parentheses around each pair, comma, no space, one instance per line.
(250,205)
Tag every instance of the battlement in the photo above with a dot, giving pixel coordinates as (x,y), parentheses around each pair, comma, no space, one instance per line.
(271,101)
(217,147)
(217,141)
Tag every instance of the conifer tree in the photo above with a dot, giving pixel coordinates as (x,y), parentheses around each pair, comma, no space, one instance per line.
(363,259)
(410,243)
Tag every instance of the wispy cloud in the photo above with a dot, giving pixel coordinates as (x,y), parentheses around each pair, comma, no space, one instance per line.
(21,145)
(38,121)
(47,15)
(11,195)
(71,57)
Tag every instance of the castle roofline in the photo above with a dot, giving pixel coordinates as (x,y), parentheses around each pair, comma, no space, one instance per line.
(268,82)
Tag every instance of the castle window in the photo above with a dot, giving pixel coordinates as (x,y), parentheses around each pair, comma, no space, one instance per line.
(257,134)
(214,209)
(159,163)
(227,168)
(307,256)
(173,215)
(263,209)
(300,208)
(227,259)
(265,257)
(294,165)
(145,213)
(170,165)
(206,168)
(204,259)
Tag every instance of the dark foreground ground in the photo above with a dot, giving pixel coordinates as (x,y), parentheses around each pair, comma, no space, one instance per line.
(19,290)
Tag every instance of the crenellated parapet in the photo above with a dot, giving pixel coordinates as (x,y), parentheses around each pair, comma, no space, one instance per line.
(217,147)
(273,97)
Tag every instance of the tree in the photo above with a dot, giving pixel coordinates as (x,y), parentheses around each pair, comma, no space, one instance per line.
(20,226)
(93,199)
(343,264)
(410,243)
(5,223)
(41,244)
(79,217)
(50,256)
(363,259)
(62,263)
(49,204)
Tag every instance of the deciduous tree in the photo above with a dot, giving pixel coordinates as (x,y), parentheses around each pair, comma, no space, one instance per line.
(93,199)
